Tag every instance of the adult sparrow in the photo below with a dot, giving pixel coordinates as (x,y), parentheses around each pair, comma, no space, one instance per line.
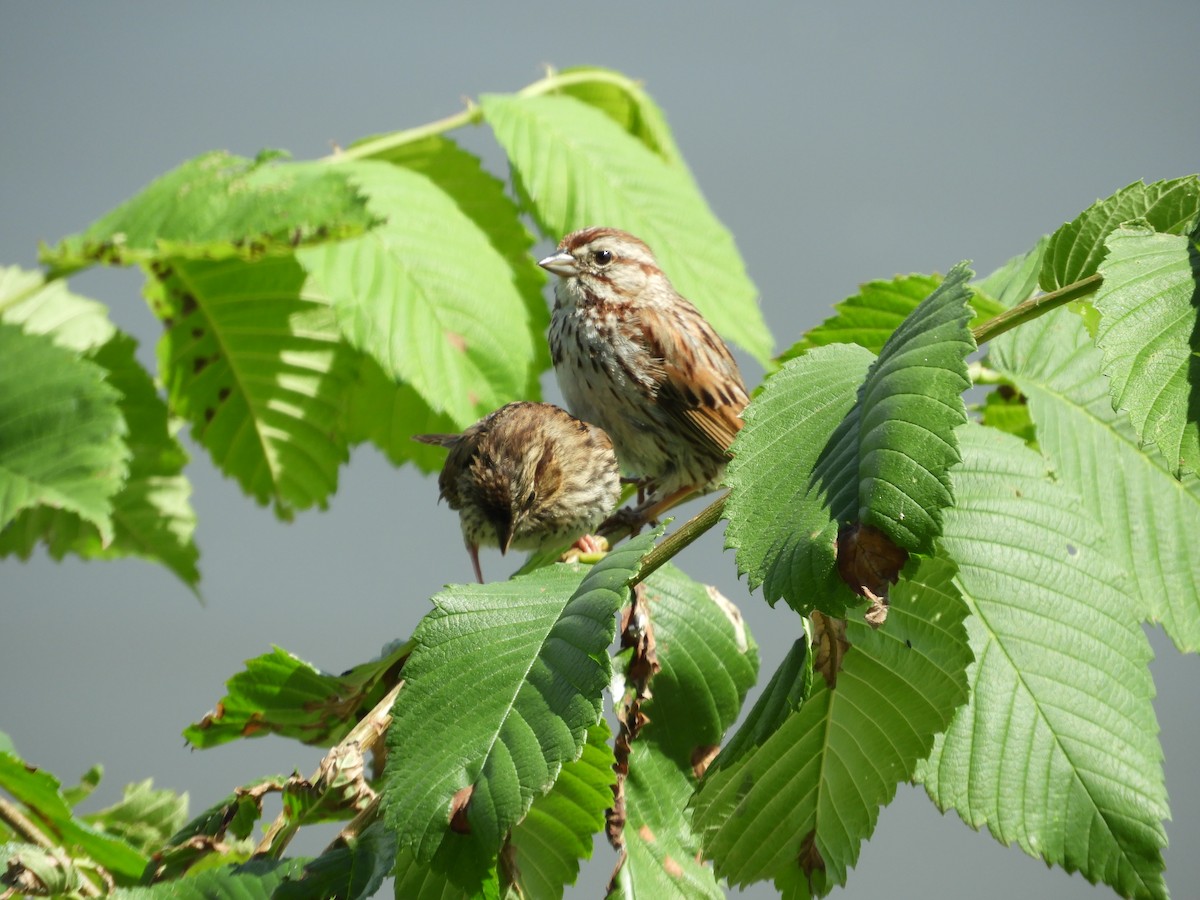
(529,476)
(640,361)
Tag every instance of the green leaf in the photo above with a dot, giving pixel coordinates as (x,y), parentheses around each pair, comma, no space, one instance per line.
(557,831)
(805,795)
(61,432)
(255,880)
(279,693)
(521,664)
(1007,411)
(814,457)
(909,407)
(431,298)
(578,167)
(1012,283)
(88,782)
(151,513)
(39,792)
(870,316)
(625,102)
(459,870)
(349,871)
(783,523)
(1150,335)
(1077,248)
(388,414)
(144,818)
(1057,749)
(73,322)
(708,662)
(483,199)
(1151,521)
(218,206)
(253,360)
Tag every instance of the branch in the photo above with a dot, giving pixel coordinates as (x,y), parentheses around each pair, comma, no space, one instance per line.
(1036,306)
(365,735)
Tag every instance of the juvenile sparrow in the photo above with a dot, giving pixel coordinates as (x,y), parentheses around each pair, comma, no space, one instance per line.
(640,361)
(529,476)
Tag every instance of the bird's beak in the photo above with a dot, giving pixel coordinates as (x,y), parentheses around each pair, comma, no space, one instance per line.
(505,535)
(560,264)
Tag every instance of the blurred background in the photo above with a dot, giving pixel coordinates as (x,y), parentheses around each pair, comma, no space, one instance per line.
(839,143)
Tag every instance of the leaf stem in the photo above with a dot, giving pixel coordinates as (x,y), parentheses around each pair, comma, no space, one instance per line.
(473,115)
(1035,307)
(685,534)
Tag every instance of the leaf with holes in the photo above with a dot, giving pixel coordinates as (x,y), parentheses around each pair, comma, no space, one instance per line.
(253,360)
(1057,749)
(279,693)
(504,682)
(218,206)
(1149,333)
(1076,250)
(578,167)
(708,662)
(804,794)
(831,443)
(431,298)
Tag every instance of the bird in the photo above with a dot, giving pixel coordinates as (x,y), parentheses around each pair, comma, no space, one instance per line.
(528,476)
(637,359)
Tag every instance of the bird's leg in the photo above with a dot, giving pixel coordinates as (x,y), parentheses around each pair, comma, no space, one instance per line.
(650,510)
(591,546)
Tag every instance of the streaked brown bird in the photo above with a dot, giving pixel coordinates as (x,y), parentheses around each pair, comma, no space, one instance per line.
(529,476)
(640,361)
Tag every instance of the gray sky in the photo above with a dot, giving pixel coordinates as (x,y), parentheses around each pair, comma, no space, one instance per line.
(839,142)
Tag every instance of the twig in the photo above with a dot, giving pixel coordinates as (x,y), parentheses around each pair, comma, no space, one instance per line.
(366,734)
(1036,306)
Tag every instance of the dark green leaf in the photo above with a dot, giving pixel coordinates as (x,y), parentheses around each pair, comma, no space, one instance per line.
(807,794)
(349,871)
(254,880)
(825,447)
(504,682)
(557,832)
(708,662)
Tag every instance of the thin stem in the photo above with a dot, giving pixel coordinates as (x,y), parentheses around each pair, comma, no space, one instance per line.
(473,115)
(381,145)
(685,534)
(1036,306)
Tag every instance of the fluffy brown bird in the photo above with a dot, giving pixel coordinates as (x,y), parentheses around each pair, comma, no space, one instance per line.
(529,476)
(640,361)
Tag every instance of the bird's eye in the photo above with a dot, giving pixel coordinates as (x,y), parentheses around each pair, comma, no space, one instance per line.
(602,257)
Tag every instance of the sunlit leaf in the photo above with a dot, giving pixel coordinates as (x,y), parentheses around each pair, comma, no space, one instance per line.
(1057,748)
